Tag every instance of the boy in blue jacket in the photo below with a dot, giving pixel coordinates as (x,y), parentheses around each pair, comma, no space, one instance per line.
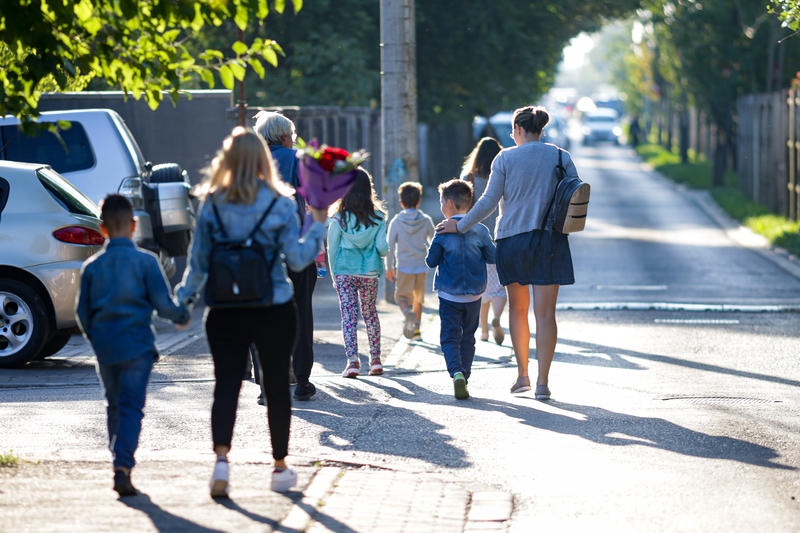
(120,288)
(460,260)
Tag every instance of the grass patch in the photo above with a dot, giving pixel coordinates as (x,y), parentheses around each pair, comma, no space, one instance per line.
(778,230)
(9,459)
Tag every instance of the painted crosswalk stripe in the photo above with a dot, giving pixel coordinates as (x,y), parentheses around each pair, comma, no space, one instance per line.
(720,321)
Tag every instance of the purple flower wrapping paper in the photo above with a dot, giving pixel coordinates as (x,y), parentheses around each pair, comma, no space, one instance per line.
(319,187)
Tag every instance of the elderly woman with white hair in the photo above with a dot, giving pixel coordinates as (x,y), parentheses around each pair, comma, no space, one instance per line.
(279,132)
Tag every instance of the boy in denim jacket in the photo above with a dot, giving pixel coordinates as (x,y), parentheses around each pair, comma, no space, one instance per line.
(120,288)
(460,260)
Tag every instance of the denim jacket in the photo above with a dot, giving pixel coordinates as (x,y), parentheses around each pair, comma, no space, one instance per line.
(460,260)
(279,233)
(120,287)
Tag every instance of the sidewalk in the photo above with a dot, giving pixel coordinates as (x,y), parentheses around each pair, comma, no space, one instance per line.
(75,494)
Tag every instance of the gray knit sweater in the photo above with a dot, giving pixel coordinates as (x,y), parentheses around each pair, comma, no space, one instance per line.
(522,182)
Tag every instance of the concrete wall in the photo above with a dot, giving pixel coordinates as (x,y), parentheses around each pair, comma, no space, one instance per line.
(188,134)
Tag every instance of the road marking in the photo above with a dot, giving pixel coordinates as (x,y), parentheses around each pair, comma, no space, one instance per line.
(631,287)
(695,321)
(674,306)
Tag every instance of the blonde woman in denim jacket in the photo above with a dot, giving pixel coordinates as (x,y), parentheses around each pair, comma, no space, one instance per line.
(242,182)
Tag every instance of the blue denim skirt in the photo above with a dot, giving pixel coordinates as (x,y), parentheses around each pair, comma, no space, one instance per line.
(535,258)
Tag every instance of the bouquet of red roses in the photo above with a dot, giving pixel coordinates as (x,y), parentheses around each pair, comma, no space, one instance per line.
(326,173)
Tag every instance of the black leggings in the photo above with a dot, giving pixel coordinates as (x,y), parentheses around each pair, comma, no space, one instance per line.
(230,333)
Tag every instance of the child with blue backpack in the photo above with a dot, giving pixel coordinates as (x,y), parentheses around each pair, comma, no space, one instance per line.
(356,247)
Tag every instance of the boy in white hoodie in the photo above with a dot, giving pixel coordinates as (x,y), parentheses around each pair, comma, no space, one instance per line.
(410,233)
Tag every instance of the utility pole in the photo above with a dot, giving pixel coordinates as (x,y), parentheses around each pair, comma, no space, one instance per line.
(398,98)
(399,149)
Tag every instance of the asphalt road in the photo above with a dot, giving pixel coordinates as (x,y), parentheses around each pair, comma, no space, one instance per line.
(665,415)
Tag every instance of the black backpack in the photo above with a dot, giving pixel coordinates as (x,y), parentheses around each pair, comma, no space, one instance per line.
(570,203)
(239,275)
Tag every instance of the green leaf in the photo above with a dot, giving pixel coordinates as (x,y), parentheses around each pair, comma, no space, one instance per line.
(239,47)
(263,9)
(207,76)
(241,17)
(298,5)
(214,53)
(280,5)
(226,75)
(238,70)
(83,10)
(271,57)
(258,68)
(171,35)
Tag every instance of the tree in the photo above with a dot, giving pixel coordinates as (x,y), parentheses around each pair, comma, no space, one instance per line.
(140,47)
(473,56)
(710,53)
(788,11)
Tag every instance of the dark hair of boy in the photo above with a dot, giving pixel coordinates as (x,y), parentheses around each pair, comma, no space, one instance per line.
(116,212)
(410,193)
(361,202)
(459,191)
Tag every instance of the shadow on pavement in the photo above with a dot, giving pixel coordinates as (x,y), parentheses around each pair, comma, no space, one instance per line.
(618,355)
(606,427)
(163,520)
(376,427)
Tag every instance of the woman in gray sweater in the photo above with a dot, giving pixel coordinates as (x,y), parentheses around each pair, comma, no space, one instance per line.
(522,181)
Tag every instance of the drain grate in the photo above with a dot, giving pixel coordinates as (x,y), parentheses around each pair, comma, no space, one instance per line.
(726,400)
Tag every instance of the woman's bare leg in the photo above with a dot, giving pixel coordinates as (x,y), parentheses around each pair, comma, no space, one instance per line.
(484,320)
(544,309)
(519,302)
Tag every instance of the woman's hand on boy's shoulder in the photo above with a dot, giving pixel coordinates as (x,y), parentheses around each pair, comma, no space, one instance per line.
(449,225)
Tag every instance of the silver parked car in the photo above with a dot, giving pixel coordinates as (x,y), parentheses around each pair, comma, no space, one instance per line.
(47,229)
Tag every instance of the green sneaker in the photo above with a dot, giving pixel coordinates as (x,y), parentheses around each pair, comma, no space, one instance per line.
(460,386)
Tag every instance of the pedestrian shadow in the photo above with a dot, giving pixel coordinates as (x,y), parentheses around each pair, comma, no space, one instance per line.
(273,524)
(355,420)
(617,359)
(164,520)
(603,426)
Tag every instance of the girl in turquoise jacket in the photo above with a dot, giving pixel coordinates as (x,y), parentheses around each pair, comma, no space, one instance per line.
(356,247)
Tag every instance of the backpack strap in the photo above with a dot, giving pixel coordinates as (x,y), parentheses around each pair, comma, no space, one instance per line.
(562,172)
(254,230)
(261,220)
(219,220)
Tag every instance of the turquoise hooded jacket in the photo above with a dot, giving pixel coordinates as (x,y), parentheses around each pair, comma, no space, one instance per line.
(356,250)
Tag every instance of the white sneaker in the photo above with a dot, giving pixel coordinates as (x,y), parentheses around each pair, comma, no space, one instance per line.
(283,480)
(219,480)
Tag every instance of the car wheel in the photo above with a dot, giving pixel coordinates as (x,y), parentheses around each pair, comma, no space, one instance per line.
(24,325)
(54,345)
(167,173)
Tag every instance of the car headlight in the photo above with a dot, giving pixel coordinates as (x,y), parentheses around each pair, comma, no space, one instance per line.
(617,131)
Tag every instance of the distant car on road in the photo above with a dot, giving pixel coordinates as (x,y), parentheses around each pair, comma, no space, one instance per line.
(47,229)
(601,124)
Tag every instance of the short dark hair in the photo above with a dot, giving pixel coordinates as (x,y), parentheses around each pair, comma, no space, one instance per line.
(116,211)
(459,191)
(410,192)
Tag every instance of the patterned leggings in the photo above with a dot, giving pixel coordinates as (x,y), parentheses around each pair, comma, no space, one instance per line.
(351,289)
